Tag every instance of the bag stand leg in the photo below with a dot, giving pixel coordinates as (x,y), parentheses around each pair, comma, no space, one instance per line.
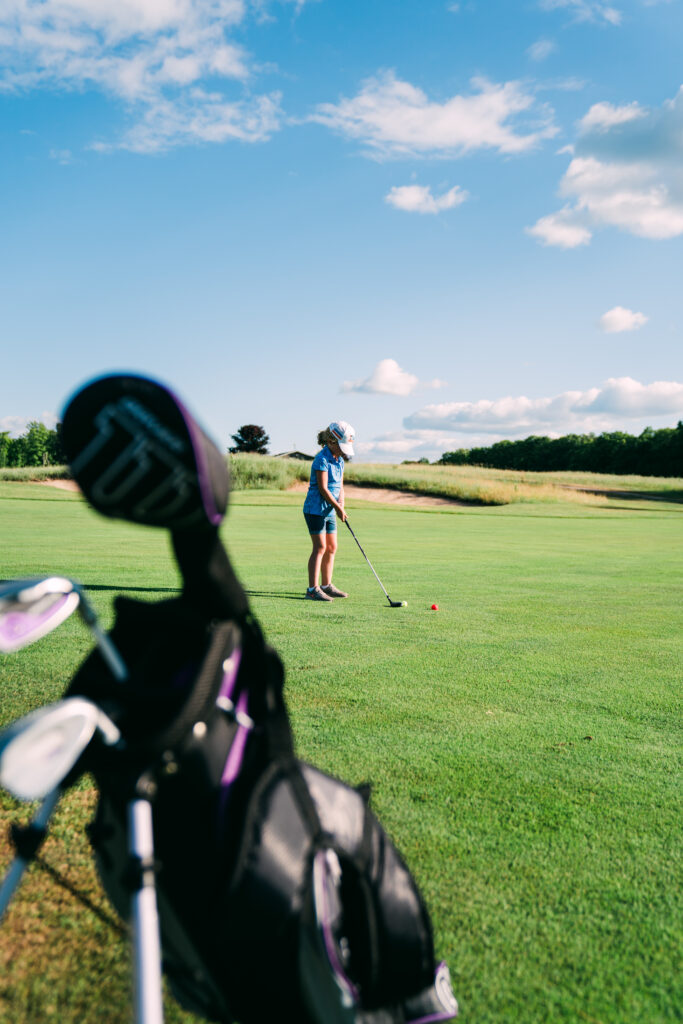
(144,915)
(33,836)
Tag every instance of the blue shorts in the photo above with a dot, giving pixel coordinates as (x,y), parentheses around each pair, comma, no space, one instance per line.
(321,524)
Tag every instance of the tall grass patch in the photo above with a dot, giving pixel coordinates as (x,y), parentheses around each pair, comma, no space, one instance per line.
(264,472)
(466,483)
(27,474)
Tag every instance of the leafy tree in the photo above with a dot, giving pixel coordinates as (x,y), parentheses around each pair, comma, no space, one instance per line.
(16,451)
(36,444)
(460,457)
(55,451)
(250,438)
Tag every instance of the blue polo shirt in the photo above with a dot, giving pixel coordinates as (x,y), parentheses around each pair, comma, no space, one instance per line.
(324,460)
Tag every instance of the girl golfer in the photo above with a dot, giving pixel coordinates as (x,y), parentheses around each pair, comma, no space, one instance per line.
(325,499)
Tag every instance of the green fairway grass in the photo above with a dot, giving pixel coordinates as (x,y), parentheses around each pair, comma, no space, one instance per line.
(523,741)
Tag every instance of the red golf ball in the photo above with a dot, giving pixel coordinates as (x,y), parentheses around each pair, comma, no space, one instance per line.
(435,607)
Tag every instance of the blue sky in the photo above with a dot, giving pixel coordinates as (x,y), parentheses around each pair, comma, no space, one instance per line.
(446,223)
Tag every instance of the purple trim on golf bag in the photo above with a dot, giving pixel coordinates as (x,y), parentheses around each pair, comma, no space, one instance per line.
(234,760)
(327,919)
(231,667)
(198,441)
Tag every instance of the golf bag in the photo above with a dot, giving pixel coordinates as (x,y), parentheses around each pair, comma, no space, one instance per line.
(265,867)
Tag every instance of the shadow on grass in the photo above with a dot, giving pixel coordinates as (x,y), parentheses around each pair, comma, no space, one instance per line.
(114,589)
(131,590)
(82,897)
(178,590)
(676,497)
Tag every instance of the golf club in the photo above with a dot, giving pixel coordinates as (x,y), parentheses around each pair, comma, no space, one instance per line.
(29,609)
(36,755)
(39,751)
(392,604)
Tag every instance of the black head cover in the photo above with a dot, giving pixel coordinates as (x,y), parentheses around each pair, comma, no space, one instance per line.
(138,454)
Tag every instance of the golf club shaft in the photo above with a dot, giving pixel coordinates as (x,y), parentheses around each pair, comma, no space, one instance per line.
(368,560)
(145,916)
(107,649)
(19,864)
(110,654)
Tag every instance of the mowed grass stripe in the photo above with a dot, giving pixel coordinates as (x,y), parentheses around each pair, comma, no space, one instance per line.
(523,741)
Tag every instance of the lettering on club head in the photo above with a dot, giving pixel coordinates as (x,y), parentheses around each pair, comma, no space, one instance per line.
(137,468)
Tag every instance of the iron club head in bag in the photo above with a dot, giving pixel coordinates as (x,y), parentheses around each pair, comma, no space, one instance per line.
(392,604)
(39,751)
(29,609)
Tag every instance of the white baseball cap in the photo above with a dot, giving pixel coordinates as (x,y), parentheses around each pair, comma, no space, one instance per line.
(344,434)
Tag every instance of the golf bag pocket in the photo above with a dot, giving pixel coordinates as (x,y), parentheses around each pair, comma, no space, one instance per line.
(321,896)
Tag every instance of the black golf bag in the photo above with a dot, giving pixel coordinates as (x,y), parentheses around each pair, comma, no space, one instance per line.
(280,895)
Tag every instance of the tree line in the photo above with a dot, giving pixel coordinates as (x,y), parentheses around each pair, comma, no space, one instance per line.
(41,446)
(651,453)
(37,446)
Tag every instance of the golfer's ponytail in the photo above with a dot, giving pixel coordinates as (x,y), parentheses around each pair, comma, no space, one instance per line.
(325,436)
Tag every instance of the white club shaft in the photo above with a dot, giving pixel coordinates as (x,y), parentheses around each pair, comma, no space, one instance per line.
(18,866)
(147,952)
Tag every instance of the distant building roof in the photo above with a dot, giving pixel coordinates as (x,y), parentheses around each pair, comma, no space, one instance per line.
(302,456)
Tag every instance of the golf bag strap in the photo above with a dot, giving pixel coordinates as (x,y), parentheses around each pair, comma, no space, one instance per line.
(264,674)
(204,688)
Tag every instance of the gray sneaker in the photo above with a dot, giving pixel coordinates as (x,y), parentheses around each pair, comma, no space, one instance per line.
(333,591)
(316,595)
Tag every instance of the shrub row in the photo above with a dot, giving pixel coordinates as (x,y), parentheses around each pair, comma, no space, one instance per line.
(652,453)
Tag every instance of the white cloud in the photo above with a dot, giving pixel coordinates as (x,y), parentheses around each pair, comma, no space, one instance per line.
(62,156)
(419,198)
(607,407)
(157,56)
(404,444)
(625,173)
(201,117)
(394,118)
(560,229)
(619,319)
(626,196)
(389,379)
(541,49)
(603,116)
(585,10)
(16,425)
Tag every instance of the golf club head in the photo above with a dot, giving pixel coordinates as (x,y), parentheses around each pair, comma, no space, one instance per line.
(138,454)
(29,609)
(39,751)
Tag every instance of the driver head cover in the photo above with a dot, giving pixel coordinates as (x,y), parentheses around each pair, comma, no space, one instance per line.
(138,454)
